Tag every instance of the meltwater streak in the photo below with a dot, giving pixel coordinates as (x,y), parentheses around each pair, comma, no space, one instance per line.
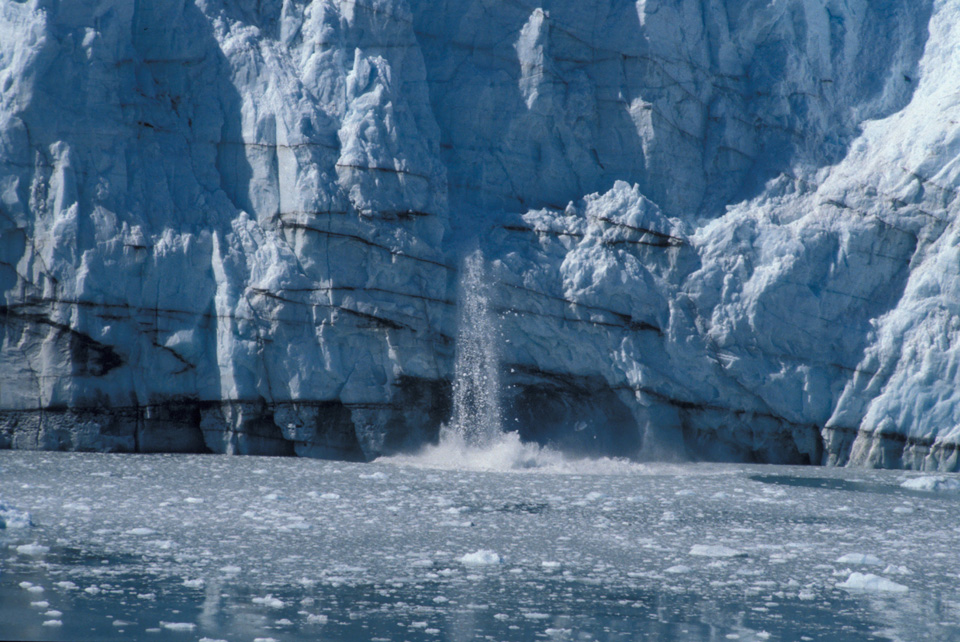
(474,439)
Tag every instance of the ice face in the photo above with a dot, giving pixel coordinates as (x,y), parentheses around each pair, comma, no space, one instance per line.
(721,230)
(296,549)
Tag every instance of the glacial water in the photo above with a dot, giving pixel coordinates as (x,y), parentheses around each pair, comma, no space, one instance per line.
(187,547)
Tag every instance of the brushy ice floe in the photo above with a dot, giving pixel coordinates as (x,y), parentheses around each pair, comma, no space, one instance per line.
(868,582)
(11,517)
(482,557)
(932,483)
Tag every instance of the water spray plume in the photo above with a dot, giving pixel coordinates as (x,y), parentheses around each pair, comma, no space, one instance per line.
(477,416)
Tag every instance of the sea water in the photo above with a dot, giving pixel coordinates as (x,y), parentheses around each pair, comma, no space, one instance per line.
(524,546)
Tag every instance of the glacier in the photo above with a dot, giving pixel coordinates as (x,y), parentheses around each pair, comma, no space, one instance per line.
(715,229)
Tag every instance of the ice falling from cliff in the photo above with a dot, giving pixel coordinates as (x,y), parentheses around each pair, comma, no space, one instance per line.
(474,438)
(477,417)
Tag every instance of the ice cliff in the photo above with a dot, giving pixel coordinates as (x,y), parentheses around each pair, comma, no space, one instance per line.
(715,228)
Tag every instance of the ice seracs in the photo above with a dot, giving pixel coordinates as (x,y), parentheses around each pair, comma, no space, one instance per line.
(717,230)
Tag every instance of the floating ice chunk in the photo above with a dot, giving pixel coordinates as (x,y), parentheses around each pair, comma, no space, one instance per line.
(871,583)
(141,531)
(42,604)
(53,623)
(550,566)
(317,619)
(193,500)
(66,586)
(269,601)
(11,517)
(897,570)
(265,640)
(715,550)
(179,626)
(330,496)
(211,640)
(480,558)
(121,623)
(557,633)
(53,613)
(92,590)
(678,569)
(806,595)
(196,584)
(376,475)
(230,570)
(33,549)
(861,559)
(533,615)
(933,483)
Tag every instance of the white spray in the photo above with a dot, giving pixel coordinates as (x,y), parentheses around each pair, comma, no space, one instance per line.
(477,417)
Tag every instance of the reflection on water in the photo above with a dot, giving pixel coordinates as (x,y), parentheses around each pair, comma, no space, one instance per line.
(187,547)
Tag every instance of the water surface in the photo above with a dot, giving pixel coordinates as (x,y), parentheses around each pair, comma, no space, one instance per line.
(182,547)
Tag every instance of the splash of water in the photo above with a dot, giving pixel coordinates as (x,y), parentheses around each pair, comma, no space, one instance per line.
(477,417)
(474,439)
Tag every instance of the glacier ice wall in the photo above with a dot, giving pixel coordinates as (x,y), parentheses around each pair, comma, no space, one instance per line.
(716,228)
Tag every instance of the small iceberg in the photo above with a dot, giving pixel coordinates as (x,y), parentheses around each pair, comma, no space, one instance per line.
(870,583)
(480,558)
(862,559)
(932,483)
(11,517)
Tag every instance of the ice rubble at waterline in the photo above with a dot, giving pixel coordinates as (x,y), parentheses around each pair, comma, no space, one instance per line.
(723,229)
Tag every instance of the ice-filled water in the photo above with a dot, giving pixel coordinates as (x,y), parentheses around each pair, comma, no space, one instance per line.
(186,547)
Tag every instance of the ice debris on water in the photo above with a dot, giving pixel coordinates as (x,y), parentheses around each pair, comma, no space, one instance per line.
(33,549)
(870,583)
(269,601)
(11,517)
(482,557)
(861,559)
(678,569)
(179,626)
(932,483)
(141,531)
(714,550)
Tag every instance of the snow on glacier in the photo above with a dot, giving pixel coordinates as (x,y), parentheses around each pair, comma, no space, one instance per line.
(716,230)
